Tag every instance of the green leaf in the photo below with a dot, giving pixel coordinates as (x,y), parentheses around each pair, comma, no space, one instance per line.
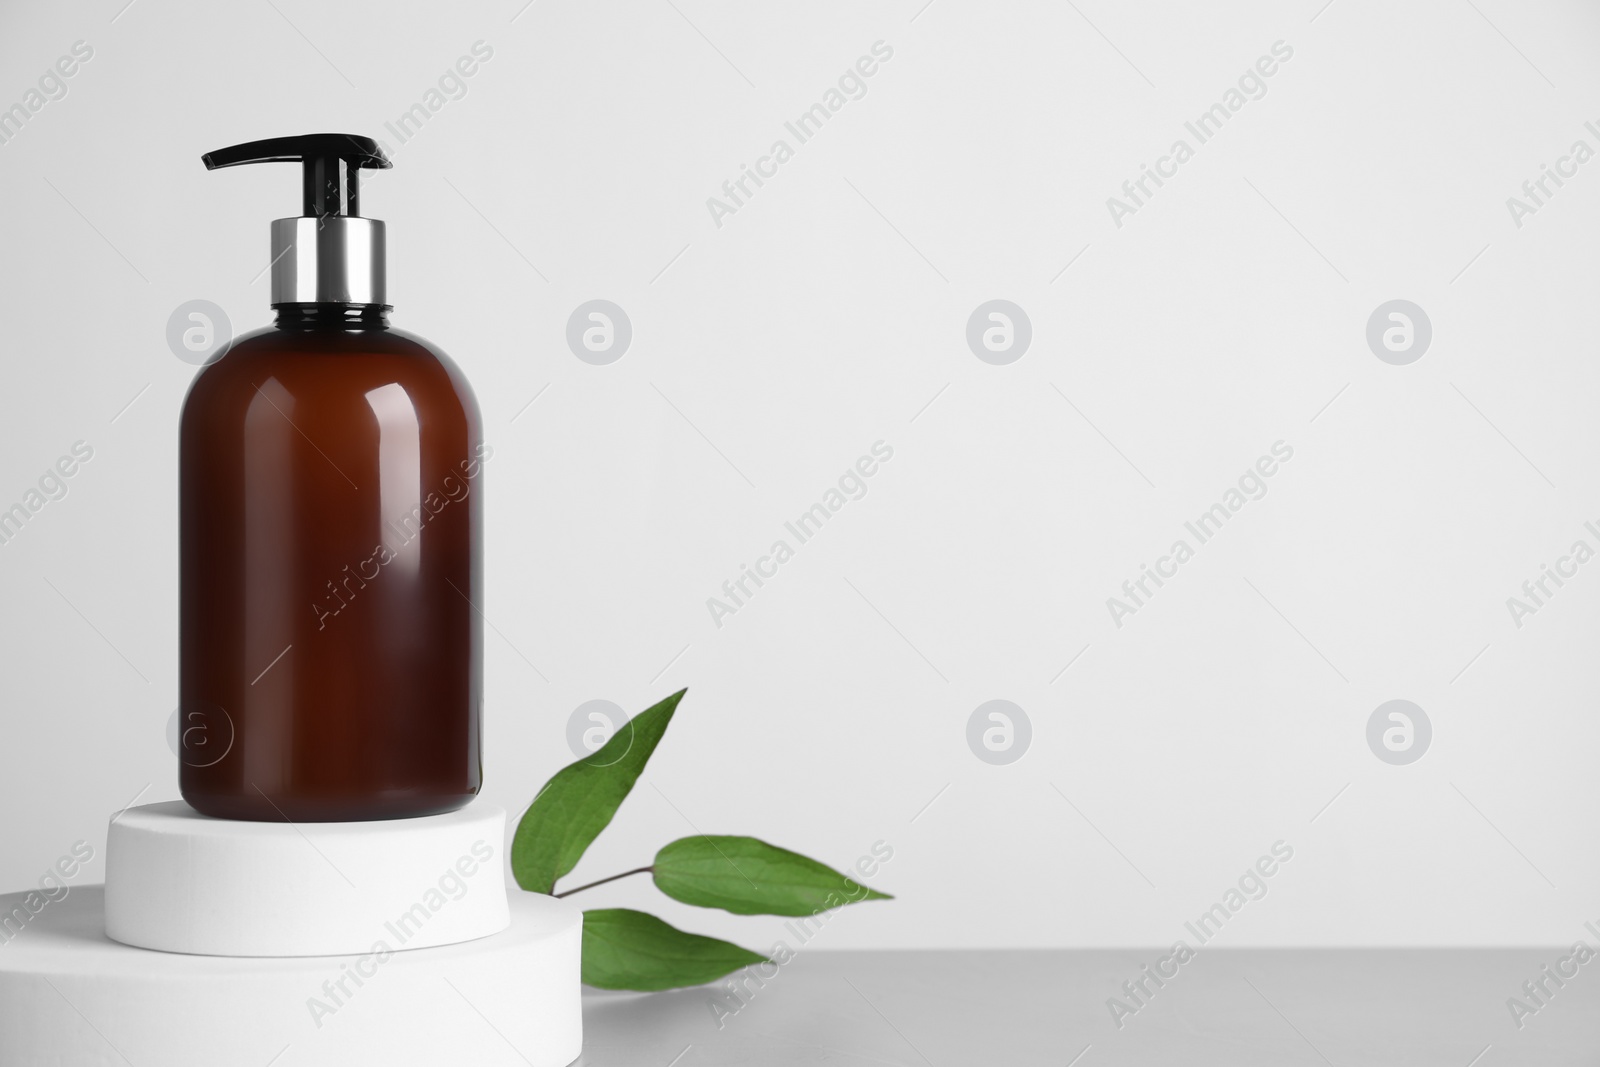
(750,877)
(627,949)
(578,803)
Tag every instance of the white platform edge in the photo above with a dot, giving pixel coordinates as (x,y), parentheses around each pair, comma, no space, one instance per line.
(70,995)
(178,881)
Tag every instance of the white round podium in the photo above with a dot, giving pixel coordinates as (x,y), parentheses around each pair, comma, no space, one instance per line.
(179,881)
(71,995)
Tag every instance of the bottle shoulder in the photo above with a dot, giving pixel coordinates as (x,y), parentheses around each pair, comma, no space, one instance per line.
(285,342)
(329,367)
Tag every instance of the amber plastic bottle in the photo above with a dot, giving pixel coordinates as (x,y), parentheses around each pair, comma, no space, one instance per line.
(331,473)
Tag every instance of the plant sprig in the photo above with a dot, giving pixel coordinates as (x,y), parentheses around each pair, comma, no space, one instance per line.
(627,949)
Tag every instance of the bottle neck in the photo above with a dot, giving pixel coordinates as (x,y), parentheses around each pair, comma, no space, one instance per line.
(332,316)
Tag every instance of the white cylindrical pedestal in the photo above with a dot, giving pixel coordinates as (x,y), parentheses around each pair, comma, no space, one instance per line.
(179,881)
(69,995)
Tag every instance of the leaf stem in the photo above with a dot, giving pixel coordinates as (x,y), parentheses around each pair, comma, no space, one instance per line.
(603,881)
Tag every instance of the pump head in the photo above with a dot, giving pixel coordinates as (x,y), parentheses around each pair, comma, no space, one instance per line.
(329,254)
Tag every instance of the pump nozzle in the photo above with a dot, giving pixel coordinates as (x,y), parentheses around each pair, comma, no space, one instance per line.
(330,160)
(329,254)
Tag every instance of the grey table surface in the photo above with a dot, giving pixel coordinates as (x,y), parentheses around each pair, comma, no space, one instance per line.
(1237,1007)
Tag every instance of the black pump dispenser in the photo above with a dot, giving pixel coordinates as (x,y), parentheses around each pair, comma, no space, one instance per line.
(330,254)
(331,163)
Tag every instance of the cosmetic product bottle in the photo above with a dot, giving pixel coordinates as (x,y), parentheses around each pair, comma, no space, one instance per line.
(331,472)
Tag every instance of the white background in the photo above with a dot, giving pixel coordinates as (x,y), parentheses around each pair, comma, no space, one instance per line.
(772,351)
